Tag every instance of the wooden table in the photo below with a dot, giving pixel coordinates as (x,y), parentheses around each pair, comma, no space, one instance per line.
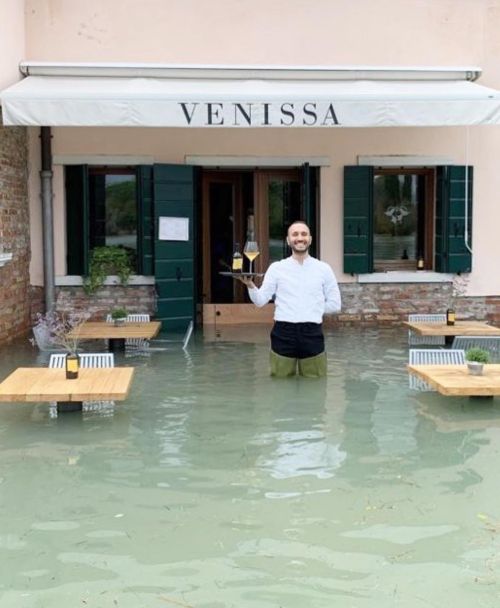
(117,334)
(461,328)
(49,384)
(455,380)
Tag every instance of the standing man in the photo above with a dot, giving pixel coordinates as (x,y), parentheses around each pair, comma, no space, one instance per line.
(305,289)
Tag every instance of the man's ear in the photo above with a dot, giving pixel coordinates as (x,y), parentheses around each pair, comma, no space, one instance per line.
(288,241)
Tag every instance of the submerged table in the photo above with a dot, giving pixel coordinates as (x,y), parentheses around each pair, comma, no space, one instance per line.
(461,328)
(117,334)
(455,380)
(50,384)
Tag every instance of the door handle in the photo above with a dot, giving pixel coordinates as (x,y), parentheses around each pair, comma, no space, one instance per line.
(178,273)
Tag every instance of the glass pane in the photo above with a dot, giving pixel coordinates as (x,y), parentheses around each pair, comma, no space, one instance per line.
(284,208)
(395,218)
(221,242)
(121,212)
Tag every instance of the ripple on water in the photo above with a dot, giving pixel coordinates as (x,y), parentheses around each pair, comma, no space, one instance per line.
(401,535)
(55,526)
(105,534)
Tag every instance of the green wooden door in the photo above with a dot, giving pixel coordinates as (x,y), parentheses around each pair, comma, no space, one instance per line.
(173,189)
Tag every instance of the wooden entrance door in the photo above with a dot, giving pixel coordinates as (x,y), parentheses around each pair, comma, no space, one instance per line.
(222,220)
(278,203)
(234,202)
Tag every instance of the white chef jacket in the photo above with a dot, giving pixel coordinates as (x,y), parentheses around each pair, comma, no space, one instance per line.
(304,292)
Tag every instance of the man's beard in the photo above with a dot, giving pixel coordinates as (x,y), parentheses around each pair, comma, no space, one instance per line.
(302,251)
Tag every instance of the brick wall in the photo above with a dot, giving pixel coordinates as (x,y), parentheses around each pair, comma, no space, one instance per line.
(134,298)
(391,303)
(14,233)
(362,304)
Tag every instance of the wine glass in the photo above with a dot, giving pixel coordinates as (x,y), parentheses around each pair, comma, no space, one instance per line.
(251,251)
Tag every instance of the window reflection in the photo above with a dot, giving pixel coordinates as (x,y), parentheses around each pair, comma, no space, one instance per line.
(396,200)
(113,209)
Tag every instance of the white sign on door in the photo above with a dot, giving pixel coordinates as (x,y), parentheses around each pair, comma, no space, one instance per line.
(173,229)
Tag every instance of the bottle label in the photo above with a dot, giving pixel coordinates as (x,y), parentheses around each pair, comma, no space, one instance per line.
(72,364)
(237,264)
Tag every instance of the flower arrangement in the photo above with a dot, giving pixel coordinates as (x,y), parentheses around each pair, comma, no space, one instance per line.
(458,287)
(61,329)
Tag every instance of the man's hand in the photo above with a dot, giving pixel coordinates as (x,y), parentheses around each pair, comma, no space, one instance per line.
(247,281)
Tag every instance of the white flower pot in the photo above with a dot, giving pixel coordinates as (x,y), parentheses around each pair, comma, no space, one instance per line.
(475,368)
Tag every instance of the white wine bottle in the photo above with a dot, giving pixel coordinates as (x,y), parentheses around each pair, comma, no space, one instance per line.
(237,265)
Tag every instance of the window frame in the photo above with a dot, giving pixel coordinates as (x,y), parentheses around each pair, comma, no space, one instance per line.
(453,209)
(429,173)
(79,242)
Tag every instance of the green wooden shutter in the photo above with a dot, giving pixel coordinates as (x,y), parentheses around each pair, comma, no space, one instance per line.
(309,203)
(174,192)
(358,219)
(451,253)
(145,225)
(97,209)
(77,222)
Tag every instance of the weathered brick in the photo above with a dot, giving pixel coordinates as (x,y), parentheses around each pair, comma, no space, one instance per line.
(14,231)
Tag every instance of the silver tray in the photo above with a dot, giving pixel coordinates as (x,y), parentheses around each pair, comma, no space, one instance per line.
(237,275)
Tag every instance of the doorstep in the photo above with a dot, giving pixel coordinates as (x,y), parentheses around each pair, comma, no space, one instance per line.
(237,314)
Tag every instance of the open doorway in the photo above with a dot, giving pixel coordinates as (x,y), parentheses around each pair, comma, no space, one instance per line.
(259,201)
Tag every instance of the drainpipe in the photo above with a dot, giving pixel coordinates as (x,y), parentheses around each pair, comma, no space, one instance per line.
(47,218)
(466,214)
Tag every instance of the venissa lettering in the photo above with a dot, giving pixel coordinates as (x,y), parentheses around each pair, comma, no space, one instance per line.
(258,114)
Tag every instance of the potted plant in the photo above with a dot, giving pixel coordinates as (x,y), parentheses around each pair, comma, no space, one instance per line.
(104,261)
(119,316)
(476,358)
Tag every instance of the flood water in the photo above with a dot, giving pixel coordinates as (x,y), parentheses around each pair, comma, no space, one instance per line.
(215,486)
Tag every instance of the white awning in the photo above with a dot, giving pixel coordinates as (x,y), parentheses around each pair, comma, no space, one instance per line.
(188,102)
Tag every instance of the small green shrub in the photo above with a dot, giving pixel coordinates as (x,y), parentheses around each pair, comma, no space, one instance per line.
(119,313)
(477,354)
(105,261)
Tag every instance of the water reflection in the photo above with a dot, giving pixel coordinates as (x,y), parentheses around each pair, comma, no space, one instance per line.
(215,485)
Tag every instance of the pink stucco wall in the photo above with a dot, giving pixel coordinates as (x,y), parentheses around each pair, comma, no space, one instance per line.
(285,32)
(12,40)
(390,32)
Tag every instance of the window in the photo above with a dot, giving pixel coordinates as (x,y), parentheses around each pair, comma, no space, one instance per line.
(402,218)
(393,216)
(113,209)
(108,206)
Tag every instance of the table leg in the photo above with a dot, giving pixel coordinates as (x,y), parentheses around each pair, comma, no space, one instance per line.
(116,345)
(480,397)
(69,406)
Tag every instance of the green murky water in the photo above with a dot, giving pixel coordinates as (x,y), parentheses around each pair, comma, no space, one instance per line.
(215,486)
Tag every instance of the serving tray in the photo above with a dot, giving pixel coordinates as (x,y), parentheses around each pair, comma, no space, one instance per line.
(237,275)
